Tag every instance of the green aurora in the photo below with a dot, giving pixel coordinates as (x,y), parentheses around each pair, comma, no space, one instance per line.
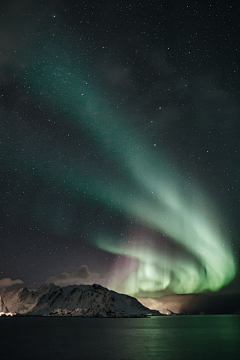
(148,189)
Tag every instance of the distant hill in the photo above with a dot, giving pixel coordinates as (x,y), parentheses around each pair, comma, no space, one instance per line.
(74,300)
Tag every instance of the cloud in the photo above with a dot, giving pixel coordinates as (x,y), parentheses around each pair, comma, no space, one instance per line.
(82,276)
(6,282)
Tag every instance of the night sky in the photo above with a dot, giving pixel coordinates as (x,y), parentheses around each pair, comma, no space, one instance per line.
(119,145)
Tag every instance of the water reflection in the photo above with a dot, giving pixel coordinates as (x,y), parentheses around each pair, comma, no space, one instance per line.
(163,338)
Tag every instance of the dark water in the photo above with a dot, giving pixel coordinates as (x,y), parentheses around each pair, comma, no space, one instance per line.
(166,338)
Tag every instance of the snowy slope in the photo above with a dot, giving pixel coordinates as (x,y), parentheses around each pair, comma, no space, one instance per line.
(74,300)
(3,307)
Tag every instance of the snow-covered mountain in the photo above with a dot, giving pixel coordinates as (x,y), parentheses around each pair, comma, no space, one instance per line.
(3,307)
(74,300)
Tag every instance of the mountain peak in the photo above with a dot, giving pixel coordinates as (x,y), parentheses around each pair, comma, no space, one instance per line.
(47,287)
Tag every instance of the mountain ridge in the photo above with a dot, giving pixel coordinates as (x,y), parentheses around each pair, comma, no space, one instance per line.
(74,300)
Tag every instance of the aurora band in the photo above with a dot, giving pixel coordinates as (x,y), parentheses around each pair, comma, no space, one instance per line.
(159,195)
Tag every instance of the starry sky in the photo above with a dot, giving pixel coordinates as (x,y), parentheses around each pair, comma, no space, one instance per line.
(119,145)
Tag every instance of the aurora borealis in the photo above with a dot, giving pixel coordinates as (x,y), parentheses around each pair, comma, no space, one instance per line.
(153,196)
(120,150)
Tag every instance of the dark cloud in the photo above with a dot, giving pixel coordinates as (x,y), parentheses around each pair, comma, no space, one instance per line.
(81,276)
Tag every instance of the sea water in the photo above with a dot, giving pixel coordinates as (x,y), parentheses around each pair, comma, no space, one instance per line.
(164,338)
